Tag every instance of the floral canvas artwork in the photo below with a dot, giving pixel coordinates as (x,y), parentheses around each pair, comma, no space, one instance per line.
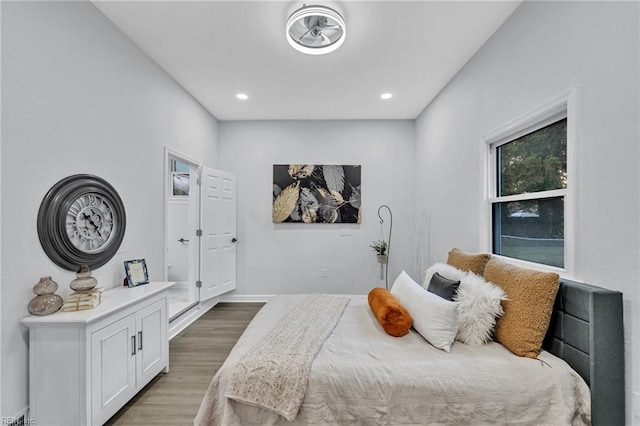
(310,193)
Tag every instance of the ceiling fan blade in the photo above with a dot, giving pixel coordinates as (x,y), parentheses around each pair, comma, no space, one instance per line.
(333,32)
(325,39)
(308,31)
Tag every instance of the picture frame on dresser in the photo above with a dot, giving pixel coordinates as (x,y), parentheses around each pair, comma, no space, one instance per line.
(137,273)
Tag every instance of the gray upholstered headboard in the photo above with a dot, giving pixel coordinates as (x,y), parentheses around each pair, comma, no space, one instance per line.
(586,331)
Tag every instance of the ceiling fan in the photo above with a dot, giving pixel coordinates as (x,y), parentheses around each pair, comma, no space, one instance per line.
(315,30)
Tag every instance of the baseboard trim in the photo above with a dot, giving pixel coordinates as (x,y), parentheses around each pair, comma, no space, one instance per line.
(247,298)
(188,317)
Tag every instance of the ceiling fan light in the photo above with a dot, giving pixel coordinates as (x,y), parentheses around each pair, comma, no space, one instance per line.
(315,30)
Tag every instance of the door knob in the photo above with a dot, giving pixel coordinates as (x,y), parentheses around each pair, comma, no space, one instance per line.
(233,240)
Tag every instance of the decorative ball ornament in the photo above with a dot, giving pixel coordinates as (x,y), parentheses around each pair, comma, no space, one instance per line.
(45,302)
(84,281)
(81,221)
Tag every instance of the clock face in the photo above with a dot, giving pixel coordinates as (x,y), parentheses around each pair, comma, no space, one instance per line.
(90,223)
(81,221)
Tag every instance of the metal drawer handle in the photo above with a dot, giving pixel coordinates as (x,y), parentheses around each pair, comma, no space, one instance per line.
(182,240)
(133,345)
(139,340)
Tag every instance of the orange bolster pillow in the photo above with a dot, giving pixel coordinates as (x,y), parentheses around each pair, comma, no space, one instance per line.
(392,316)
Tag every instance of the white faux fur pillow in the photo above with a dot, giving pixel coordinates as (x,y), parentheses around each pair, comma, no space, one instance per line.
(478,303)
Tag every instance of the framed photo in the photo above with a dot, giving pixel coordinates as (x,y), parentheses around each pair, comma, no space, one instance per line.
(180,184)
(136,271)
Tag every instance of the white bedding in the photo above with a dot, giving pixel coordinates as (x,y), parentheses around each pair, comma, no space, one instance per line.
(361,375)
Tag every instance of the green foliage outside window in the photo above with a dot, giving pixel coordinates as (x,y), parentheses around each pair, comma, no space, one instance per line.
(534,162)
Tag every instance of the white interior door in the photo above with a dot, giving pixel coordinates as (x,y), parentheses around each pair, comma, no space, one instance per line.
(218,240)
(182,219)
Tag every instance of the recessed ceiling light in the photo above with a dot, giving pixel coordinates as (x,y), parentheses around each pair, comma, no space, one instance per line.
(386,96)
(242,96)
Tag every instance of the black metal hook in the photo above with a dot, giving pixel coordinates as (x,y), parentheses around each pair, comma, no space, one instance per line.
(388,242)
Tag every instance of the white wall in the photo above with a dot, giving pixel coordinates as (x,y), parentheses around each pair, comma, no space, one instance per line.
(292,258)
(543,49)
(1,228)
(80,97)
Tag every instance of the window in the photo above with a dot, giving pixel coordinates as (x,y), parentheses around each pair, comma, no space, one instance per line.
(528,212)
(179,178)
(528,201)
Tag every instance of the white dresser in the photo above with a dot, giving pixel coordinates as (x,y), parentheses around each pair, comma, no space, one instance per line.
(84,366)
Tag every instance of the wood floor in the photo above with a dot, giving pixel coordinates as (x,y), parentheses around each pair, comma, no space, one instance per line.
(194,357)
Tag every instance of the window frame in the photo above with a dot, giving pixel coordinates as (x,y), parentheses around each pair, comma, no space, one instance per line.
(173,172)
(562,106)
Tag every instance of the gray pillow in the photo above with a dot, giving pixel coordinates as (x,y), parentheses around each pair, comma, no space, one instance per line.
(443,287)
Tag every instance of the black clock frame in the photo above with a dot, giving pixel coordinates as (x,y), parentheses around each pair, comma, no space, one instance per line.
(52,230)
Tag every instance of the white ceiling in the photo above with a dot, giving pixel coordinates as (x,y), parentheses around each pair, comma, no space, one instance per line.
(216,49)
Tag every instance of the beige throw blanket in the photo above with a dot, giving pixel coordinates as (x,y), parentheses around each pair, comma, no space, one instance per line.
(275,372)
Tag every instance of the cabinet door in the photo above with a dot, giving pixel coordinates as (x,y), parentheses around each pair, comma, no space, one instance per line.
(113,375)
(151,340)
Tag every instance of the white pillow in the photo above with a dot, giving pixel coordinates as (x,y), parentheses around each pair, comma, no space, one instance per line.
(479,303)
(435,318)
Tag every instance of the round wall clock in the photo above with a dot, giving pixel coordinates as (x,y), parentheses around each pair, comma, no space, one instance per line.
(81,221)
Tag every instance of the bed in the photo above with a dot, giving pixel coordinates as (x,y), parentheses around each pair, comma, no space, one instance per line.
(587,331)
(363,376)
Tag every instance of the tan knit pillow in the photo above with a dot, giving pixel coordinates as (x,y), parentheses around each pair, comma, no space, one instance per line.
(527,310)
(474,262)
